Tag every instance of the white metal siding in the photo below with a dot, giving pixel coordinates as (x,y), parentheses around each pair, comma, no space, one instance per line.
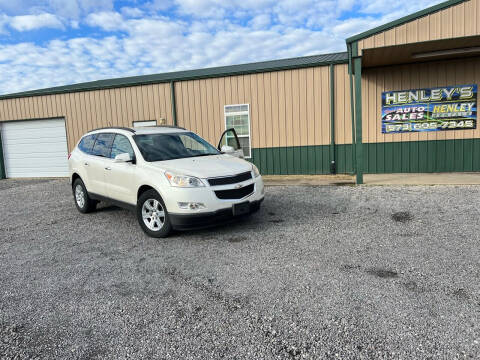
(36,148)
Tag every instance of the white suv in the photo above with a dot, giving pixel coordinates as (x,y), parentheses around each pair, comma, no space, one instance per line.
(171,177)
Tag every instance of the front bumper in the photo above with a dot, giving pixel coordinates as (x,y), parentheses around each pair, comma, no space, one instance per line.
(208,219)
(206,195)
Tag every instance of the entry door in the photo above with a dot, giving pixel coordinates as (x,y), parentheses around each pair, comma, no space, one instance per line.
(35,148)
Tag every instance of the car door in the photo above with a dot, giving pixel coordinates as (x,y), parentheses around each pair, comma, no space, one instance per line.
(229,143)
(121,175)
(98,163)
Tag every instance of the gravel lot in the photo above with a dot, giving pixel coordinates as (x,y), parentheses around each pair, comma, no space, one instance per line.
(319,272)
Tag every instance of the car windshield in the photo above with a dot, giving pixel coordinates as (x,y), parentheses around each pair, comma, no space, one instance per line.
(160,147)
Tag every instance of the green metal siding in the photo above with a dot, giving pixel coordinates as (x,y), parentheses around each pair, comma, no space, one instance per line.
(302,160)
(379,158)
(3,174)
(423,156)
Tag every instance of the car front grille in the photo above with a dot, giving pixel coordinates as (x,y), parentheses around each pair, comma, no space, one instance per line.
(227,180)
(234,194)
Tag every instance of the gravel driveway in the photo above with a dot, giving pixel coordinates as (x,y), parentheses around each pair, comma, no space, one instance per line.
(320,272)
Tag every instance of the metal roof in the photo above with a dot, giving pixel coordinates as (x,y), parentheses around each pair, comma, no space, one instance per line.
(251,68)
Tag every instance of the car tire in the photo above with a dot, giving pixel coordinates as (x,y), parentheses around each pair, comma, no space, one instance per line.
(83,202)
(152,215)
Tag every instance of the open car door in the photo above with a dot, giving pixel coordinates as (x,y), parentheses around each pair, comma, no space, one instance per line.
(229,143)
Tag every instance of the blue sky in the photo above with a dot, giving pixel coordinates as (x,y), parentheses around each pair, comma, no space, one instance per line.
(46,43)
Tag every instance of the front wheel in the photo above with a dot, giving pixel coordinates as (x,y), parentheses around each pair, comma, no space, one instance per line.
(152,215)
(82,200)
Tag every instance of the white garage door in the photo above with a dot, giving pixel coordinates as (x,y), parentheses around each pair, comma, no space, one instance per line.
(36,148)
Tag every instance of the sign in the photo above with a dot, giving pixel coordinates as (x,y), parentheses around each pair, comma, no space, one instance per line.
(436,109)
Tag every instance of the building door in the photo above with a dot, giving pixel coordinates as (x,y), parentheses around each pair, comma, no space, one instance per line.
(36,148)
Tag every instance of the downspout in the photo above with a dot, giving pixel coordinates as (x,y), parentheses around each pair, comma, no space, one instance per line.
(174,103)
(352,106)
(333,165)
(3,174)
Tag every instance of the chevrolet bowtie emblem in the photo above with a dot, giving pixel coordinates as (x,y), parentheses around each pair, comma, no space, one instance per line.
(238,186)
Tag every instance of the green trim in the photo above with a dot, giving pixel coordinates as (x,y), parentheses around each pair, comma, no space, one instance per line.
(174,103)
(3,174)
(358,120)
(332,120)
(405,19)
(302,160)
(243,69)
(352,103)
(423,156)
(354,52)
(380,158)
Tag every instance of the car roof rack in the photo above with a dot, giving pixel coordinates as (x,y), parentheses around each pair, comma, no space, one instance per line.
(113,128)
(164,126)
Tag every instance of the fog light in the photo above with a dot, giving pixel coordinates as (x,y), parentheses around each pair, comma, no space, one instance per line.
(191,205)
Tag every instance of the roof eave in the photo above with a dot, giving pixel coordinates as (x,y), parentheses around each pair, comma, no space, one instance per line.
(54,91)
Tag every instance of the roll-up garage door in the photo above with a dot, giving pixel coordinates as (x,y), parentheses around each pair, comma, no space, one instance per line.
(36,148)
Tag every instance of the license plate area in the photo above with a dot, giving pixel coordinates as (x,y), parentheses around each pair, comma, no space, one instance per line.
(241,209)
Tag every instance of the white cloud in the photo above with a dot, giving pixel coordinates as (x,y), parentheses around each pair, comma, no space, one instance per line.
(260,21)
(143,39)
(132,12)
(108,21)
(62,8)
(385,6)
(32,22)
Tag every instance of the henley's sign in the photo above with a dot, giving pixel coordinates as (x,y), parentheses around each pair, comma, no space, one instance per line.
(436,109)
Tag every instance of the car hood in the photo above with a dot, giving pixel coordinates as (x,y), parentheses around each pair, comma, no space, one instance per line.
(205,166)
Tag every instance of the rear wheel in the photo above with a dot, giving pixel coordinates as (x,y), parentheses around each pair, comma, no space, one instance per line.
(152,215)
(82,200)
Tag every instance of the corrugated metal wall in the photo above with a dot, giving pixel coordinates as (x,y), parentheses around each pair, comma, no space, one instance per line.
(414,76)
(289,113)
(87,110)
(456,21)
(287,108)
(435,151)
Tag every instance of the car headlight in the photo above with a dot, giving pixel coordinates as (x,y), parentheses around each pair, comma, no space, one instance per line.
(256,173)
(183,180)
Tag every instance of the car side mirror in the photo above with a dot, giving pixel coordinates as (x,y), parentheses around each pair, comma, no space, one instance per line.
(230,150)
(227,149)
(124,157)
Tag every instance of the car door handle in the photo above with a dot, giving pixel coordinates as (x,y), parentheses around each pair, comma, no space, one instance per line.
(86,164)
(108,168)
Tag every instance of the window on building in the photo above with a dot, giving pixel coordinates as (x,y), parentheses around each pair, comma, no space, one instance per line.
(145,123)
(238,117)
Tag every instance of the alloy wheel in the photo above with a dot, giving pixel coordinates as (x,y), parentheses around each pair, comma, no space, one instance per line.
(80,196)
(153,214)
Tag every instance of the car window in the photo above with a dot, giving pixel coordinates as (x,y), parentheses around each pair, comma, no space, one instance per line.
(159,147)
(86,144)
(121,145)
(103,144)
(191,143)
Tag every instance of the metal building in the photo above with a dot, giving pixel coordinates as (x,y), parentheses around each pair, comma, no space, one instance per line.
(405,92)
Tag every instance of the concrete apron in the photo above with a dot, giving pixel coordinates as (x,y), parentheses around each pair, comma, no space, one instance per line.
(375,179)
